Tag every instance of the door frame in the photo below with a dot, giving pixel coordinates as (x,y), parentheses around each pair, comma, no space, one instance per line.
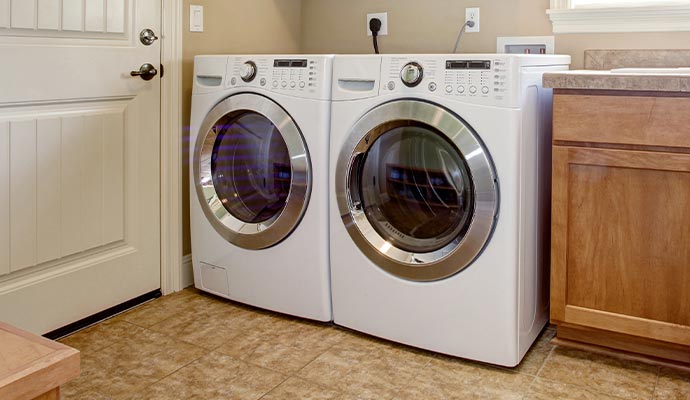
(173,276)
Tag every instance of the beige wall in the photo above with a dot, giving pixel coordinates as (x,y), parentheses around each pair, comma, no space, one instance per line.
(233,26)
(336,26)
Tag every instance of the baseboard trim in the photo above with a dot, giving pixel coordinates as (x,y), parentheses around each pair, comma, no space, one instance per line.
(100,316)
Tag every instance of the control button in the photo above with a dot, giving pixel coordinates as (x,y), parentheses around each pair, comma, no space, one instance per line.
(432,86)
(233,81)
(275,84)
(263,81)
(302,84)
(461,89)
(412,74)
(449,88)
(485,90)
(283,84)
(293,84)
(473,89)
(248,71)
(391,85)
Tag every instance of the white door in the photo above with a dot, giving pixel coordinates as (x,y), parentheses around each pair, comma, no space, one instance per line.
(79,158)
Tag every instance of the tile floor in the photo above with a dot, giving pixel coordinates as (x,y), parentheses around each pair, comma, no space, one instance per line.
(194,346)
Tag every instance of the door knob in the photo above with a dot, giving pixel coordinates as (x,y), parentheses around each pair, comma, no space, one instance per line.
(146,72)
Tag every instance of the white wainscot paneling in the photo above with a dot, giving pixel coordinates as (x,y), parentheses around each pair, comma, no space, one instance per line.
(72,15)
(49,14)
(94,17)
(116,16)
(64,18)
(4,197)
(62,185)
(22,194)
(23,14)
(5,13)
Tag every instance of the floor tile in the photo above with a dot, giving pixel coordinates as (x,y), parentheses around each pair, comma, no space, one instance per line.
(214,377)
(209,328)
(452,378)
(104,334)
(625,379)
(672,385)
(131,365)
(299,389)
(367,368)
(542,389)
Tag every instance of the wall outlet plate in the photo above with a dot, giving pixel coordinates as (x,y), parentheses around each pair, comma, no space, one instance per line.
(384,23)
(196,18)
(472,14)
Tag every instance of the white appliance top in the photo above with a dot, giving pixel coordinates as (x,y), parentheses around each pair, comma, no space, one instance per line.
(491,79)
(304,76)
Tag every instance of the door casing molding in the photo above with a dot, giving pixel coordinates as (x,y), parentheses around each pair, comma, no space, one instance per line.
(171,147)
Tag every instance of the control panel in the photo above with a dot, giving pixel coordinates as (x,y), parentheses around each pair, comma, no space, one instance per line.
(292,75)
(485,79)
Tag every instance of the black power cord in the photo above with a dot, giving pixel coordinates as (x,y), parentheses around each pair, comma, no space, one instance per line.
(375,27)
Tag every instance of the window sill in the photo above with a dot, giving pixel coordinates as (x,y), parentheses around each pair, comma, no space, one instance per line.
(633,19)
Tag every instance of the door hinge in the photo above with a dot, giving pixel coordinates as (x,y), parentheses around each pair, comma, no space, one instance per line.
(162,71)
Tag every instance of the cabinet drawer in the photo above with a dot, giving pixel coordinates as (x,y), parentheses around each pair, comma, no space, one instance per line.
(642,120)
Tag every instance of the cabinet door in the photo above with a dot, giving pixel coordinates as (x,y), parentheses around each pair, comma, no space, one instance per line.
(621,241)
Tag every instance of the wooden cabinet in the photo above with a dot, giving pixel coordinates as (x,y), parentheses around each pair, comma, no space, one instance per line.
(620,253)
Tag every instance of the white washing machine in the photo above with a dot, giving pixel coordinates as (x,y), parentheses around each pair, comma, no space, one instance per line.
(440,200)
(259,181)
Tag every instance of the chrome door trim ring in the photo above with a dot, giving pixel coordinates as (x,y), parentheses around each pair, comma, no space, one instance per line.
(265,234)
(459,253)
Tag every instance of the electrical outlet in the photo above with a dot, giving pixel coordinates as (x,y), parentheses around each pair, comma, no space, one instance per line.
(472,14)
(384,23)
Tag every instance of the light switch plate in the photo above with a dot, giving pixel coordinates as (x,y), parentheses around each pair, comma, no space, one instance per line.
(196,18)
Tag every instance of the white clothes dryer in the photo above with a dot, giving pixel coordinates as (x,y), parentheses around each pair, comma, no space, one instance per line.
(258,154)
(440,193)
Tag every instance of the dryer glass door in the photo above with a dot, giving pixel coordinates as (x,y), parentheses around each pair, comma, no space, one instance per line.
(252,171)
(417,190)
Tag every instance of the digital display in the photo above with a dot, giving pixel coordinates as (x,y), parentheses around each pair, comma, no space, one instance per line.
(468,64)
(290,63)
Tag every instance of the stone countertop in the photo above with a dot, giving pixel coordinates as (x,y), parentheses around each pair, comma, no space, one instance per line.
(606,80)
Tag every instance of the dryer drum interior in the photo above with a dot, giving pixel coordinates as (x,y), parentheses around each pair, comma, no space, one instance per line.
(420,190)
(252,171)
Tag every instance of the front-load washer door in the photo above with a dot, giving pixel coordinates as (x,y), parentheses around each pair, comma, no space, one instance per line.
(417,190)
(252,171)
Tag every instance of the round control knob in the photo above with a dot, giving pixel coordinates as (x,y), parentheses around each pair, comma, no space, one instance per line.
(283,84)
(391,85)
(293,84)
(302,84)
(449,88)
(248,71)
(473,89)
(485,90)
(432,87)
(263,82)
(461,89)
(275,84)
(412,74)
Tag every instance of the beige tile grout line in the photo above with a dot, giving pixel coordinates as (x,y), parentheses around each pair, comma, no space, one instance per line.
(656,384)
